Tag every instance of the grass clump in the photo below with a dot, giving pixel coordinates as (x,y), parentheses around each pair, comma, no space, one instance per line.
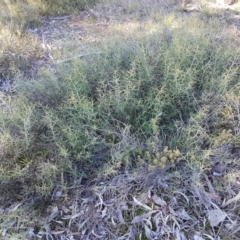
(54,7)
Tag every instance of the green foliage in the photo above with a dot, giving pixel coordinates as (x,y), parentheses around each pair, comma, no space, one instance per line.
(165,85)
(160,100)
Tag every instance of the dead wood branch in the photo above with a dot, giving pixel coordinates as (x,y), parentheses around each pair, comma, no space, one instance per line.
(75,57)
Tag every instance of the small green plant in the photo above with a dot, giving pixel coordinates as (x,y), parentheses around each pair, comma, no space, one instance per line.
(224,137)
(166,157)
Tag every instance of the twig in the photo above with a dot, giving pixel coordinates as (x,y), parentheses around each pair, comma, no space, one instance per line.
(75,57)
(210,187)
(59,18)
(234,199)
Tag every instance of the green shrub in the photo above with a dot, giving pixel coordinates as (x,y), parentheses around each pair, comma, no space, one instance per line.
(57,130)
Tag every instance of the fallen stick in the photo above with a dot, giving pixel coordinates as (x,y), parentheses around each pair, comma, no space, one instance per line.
(234,199)
(59,18)
(75,57)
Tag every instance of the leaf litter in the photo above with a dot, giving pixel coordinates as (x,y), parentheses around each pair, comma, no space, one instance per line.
(119,210)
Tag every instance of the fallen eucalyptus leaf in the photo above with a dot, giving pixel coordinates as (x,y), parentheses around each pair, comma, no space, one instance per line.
(236,198)
(150,234)
(54,213)
(14,208)
(159,201)
(196,237)
(142,204)
(9,225)
(132,233)
(120,216)
(232,225)
(181,213)
(57,232)
(142,217)
(216,216)
(182,195)
(104,212)
(177,232)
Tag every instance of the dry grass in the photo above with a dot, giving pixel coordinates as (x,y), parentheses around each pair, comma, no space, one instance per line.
(168,203)
(21,51)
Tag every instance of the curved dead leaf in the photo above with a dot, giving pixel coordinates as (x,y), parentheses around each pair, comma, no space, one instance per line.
(182,195)
(142,204)
(132,233)
(54,213)
(98,236)
(181,213)
(234,199)
(57,232)
(159,201)
(101,201)
(150,234)
(15,207)
(142,217)
(216,216)
(179,235)
(9,225)
(120,216)
(114,224)
(196,237)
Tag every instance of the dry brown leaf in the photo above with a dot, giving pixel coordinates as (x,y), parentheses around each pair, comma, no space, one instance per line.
(177,232)
(142,217)
(216,216)
(150,234)
(210,187)
(75,234)
(159,201)
(65,210)
(9,225)
(182,195)
(54,213)
(57,232)
(120,216)
(14,208)
(196,237)
(214,197)
(179,235)
(181,213)
(232,225)
(132,233)
(104,212)
(234,199)
(142,204)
